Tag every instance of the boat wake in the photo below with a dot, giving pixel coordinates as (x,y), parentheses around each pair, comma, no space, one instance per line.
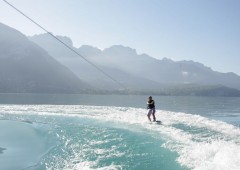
(199,143)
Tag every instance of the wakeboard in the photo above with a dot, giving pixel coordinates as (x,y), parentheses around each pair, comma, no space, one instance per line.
(157,122)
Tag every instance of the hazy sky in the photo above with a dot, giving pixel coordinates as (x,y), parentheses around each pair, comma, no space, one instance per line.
(206,31)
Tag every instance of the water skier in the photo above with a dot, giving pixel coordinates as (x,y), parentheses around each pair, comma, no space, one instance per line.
(151,108)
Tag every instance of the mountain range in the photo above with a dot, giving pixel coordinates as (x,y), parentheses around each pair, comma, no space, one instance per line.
(26,68)
(40,64)
(136,71)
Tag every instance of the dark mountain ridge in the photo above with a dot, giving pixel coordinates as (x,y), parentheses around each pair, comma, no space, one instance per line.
(27,68)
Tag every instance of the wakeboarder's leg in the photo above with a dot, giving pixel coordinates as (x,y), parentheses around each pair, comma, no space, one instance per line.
(153,113)
(149,114)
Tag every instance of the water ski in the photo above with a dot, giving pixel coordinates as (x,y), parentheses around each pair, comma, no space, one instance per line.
(157,122)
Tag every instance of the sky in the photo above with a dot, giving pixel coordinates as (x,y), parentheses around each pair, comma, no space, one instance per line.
(205,31)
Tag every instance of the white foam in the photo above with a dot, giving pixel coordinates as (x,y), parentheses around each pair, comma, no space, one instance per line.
(217,155)
(78,160)
(216,146)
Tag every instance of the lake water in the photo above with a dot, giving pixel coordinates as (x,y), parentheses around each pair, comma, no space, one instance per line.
(112,132)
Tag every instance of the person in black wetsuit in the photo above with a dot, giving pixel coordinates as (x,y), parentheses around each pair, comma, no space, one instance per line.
(151,109)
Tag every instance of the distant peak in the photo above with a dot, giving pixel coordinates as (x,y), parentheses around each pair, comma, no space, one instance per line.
(121,49)
(40,36)
(89,47)
(193,62)
(65,39)
(167,60)
(89,50)
(120,46)
(46,36)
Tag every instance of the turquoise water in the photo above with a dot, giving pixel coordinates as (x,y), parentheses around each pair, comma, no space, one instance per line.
(112,132)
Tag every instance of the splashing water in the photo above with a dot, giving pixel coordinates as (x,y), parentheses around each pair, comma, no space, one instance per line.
(101,137)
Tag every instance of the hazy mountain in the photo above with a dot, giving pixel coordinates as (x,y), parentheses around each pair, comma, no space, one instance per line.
(86,71)
(134,70)
(26,67)
(166,71)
